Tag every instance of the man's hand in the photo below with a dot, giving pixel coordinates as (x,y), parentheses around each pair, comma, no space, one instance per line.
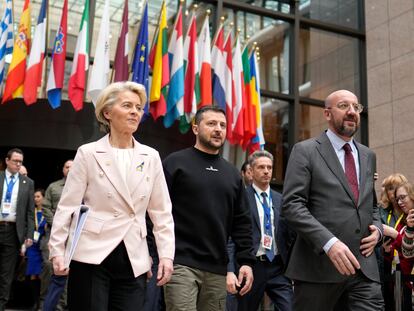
(368,243)
(28,243)
(58,266)
(343,259)
(165,270)
(245,273)
(231,283)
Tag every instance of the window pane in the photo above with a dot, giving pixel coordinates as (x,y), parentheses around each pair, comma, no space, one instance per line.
(341,12)
(281,6)
(312,122)
(272,38)
(275,119)
(327,62)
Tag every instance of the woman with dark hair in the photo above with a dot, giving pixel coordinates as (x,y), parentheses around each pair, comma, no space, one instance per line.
(33,253)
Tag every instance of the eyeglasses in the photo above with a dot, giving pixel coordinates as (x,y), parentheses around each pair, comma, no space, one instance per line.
(17,162)
(344,106)
(402,198)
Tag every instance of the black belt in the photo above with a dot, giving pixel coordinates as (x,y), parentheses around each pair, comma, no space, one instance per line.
(7,223)
(264,258)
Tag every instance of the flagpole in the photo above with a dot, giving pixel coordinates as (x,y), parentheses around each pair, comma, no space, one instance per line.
(46,54)
(222,19)
(158,27)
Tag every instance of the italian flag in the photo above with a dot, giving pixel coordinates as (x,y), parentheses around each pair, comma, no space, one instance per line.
(77,81)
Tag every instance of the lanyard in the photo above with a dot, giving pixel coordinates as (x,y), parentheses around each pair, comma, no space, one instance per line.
(37,219)
(266,209)
(397,222)
(9,190)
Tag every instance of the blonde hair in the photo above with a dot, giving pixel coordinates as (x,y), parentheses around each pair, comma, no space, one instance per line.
(391,183)
(109,95)
(409,188)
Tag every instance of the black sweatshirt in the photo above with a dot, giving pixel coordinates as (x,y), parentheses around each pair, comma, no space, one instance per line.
(208,205)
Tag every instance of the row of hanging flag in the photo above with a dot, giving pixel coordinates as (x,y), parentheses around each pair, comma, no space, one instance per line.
(187,72)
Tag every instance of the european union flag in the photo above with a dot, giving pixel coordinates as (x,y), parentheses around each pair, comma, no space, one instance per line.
(140,61)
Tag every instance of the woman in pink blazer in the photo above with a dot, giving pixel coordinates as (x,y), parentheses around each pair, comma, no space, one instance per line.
(120,180)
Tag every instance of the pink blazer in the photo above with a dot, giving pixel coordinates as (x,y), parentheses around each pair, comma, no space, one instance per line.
(117,209)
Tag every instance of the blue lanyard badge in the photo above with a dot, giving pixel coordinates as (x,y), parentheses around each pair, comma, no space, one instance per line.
(266,208)
(9,191)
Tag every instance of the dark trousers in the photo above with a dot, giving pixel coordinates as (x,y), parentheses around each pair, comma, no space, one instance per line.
(54,292)
(357,292)
(9,252)
(154,297)
(270,279)
(108,286)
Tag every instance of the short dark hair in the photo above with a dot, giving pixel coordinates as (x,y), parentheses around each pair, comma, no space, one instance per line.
(244,166)
(199,114)
(13,150)
(41,190)
(258,154)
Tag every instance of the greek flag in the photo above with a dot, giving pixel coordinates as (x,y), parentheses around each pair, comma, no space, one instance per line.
(6,38)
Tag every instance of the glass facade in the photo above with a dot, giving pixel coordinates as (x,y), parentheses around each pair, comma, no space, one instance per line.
(306,49)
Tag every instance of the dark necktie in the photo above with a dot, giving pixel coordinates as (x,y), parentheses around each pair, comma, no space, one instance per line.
(350,171)
(267,222)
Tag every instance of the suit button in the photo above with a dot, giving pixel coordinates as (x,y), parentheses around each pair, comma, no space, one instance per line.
(116,214)
(357,231)
(132,215)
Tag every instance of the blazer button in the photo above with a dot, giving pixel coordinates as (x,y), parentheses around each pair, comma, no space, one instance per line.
(357,231)
(132,215)
(116,214)
(101,174)
(109,194)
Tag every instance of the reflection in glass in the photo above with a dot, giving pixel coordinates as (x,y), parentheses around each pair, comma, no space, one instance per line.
(312,122)
(275,116)
(272,38)
(281,6)
(340,12)
(327,62)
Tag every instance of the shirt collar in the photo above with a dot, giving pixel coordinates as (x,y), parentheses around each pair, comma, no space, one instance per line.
(8,174)
(337,142)
(259,191)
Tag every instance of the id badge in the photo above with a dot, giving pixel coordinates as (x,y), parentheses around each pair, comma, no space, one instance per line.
(267,241)
(6,208)
(36,236)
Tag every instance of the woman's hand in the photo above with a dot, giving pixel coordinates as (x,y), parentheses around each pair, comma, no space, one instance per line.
(58,263)
(410,218)
(165,270)
(390,231)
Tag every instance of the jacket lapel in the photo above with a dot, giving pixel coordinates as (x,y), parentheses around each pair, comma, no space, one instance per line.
(253,206)
(331,159)
(276,212)
(363,168)
(139,167)
(2,174)
(104,157)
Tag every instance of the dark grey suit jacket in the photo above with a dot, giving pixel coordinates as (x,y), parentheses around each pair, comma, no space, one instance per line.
(318,204)
(24,208)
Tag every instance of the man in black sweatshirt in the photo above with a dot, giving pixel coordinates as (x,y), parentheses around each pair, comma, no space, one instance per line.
(209,205)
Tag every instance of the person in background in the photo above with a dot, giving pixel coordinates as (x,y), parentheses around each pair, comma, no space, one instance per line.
(391,215)
(404,196)
(328,200)
(16,219)
(209,206)
(53,287)
(120,180)
(246,173)
(33,253)
(270,243)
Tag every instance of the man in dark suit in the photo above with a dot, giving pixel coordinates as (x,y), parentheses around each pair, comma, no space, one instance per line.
(328,201)
(270,244)
(16,219)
